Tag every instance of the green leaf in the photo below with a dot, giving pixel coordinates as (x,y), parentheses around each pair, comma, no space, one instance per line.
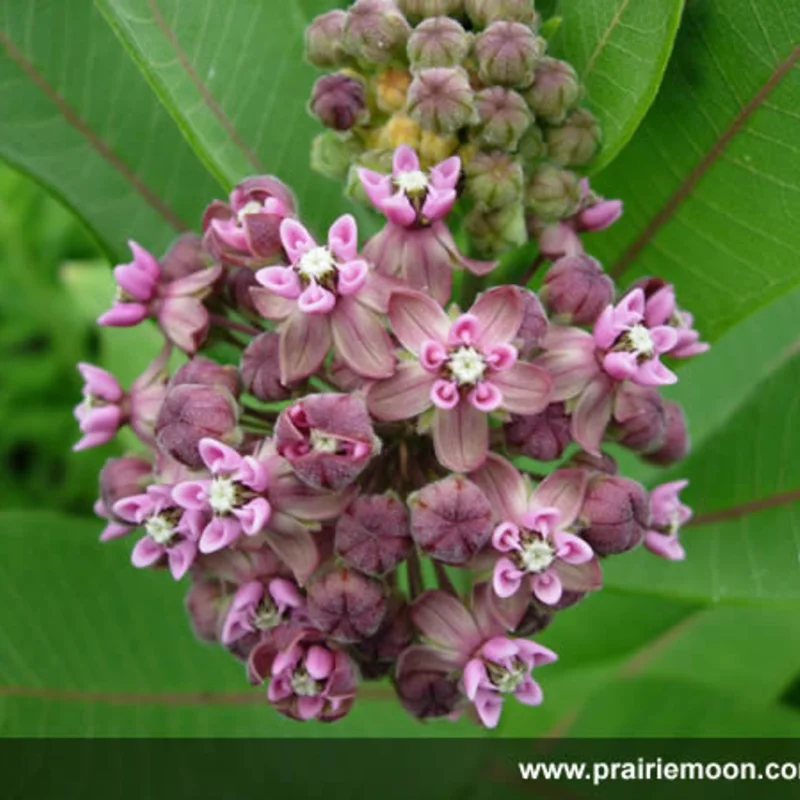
(620,49)
(744,543)
(232,75)
(711,182)
(83,122)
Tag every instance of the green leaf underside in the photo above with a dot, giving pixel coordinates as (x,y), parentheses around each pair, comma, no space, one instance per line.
(83,122)
(711,183)
(620,49)
(232,75)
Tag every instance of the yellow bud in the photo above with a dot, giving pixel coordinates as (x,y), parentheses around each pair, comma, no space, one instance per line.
(434,148)
(401,129)
(467,152)
(391,88)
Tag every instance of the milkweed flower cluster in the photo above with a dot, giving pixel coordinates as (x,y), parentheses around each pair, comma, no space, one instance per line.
(344,444)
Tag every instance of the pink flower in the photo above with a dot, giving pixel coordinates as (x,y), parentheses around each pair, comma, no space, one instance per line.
(245,232)
(474,643)
(588,367)
(325,298)
(536,546)
(415,245)
(106,407)
(171,532)
(667,515)
(662,309)
(465,369)
(257,607)
(177,305)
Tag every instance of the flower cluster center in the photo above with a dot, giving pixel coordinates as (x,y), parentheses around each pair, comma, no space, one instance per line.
(507,680)
(316,264)
(304,685)
(223,495)
(412,182)
(252,207)
(637,339)
(466,365)
(266,616)
(536,554)
(322,443)
(160,528)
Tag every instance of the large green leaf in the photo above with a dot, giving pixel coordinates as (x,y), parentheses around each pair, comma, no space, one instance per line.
(81,120)
(620,49)
(711,182)
(232,74)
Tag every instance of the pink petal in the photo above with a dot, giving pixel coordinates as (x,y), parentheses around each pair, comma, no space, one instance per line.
(135,282)
(123,315)
(377,187)
(438,203)
(506,537)
(547,587)
(465,330)
(526,388)
(310,707)
(192,495)
(445,175)
(586,577)
(461,437)
(219,457)
(503,485)
(219,533)
(184,321)
(316,300)
(660,307)
(136,508)
(529,692)
(486,397)
(500,313)
(501,357)
(601,216)
(352,277)
(319,662)
(253,516)
(146,552)
(271,305)
(343,238)
(606,330)
(285,593)
(654,373)
(416,319)
(194,283)
(252,473)
(506,578)
(444,621)
(283,281)
(361,340)
(404,160)
(432,355)
(563,489)
(294,544)
(571,548)
(500,649)
(247,595)
(296,239)
(665,546)
(305,341)
(543,520)
(180,558)
(630,310)
(398,210)
(406,394)
(475,677)
(279,688)
(535,654)
(445,394)
(621,365)
(113,531)
(145,260)
(489,704)
(92,440)
(592,414)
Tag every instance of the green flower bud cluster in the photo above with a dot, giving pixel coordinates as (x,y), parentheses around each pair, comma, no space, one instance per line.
(455,77)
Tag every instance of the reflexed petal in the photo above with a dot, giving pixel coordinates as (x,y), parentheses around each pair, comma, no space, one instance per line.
(445,394)
(526,388)
(404,395)
(529,692)
(271,305)
(219,533)
(445,175)
(352,277)
(296,239)
(305,341)
(343,238)
(654,373)
(500,312)
(501,357)
(586,577)
(535,654)
(571,548)
(592,414)
(404,160)
(123,315)
(465,330)
(184,321)
(294,544)
(254,516)
(486,397)
(503,485)
(316,300)
(180,558)
(361,340)
(146,552)
(665,546)
(417,319)
(377,187)
(432,355)
(506,578)
(192,495)
(621,365)
(219,457)
(438,203)
(461,437)
(489,704)
(563,489)
(283,281)
(195,283)
(547,587)
(475,677)
(443,620)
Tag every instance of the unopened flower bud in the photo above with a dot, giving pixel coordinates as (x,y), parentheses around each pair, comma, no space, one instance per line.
(372,535)
(508,53)
(391,90)
(324,39)
(451,520)
(206,606)
(346,605)
(332,154)
(602,463)
(427,689)
(494,180)
(209,373)
(327,438)
(261,368)
(532,147)
(533,329)
(430,8)
(184,257)
(553,193)
(376,31)
(438,42)
(542,436)
(494,232)
(574,143)
(503,117)
(484,12)
(555,91)
(641,417)
(192,412)
(676,438)
(123,477)
(615,514)
(576,290)
(435,148)
(339,101)
(440,99)
(376,655)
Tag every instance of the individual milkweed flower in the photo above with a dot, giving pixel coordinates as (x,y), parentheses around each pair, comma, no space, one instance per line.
(339,101)
(537,547)
(326,298)
(473,643)
(171,532)
(416,245)
(244,231)
(177,305)
(119,478)
(258,606)
(106,407)
(576,290)
(587,367)
(676,444)
(667,516)
(464,368)
(308,678)
(327,438)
